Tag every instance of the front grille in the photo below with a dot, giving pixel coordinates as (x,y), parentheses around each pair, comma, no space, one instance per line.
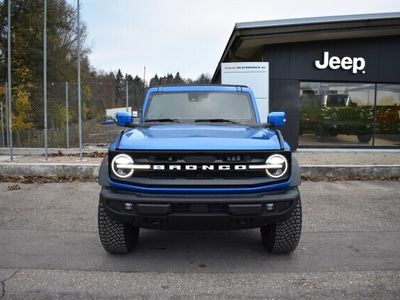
(201,158)
(348,115)
(200,177)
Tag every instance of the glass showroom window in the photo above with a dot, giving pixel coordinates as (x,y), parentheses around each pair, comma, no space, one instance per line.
(387,126)
(338,114)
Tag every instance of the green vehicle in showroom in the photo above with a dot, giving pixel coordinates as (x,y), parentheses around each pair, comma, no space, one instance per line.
(333,114)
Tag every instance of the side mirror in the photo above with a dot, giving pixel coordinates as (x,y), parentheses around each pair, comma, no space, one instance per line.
(123,118)
(353,104)
(108,122)
(276,119)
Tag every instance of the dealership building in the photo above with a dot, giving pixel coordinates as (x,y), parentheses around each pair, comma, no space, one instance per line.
(337,78)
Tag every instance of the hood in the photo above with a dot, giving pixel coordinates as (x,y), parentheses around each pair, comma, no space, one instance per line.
(199,137)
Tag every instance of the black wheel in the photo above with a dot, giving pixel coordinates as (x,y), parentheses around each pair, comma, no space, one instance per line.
(283,237)
(364,138)
(116,237)
(320,134)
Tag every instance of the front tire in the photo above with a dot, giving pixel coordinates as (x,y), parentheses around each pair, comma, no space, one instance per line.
(364,138)
(283,237)
(321,134)
(116,237)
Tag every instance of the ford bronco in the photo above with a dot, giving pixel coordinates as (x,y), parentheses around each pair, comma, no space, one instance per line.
(199,158)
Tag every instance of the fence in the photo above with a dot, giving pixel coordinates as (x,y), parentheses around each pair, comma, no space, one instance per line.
(62,113)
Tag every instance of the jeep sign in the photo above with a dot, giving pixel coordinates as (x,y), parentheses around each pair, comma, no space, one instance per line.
(354,64)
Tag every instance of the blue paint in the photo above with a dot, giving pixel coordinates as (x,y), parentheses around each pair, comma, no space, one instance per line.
(276,119)
(172,137)
(199,137)
(124,118)
(202,190)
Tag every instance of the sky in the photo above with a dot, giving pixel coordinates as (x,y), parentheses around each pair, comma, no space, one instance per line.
(169,36)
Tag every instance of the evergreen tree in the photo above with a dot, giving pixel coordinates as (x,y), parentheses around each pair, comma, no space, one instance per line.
(119,89)
(154,81)
(170,79)
(178,79)
(203,79)
(138,90)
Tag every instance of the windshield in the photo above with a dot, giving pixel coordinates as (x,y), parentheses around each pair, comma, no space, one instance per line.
(195,106)
(337,100)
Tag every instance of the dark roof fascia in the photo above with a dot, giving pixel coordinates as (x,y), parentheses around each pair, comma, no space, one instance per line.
(262,28)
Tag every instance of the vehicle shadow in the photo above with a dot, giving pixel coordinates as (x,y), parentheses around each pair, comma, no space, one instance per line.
(198,251)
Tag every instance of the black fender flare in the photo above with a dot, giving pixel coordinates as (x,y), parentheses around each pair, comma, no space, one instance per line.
(295,173)
(103,173)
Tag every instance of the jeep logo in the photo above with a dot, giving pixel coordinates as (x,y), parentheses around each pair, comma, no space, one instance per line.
(354,64)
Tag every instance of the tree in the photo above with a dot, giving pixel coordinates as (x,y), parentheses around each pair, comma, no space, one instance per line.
(138,90)
(119,89)
(203,79)
(154,81)
(178,79)
(170,79)
(27,55)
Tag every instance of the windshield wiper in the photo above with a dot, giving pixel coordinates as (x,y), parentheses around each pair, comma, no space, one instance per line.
(162,120)
(215,121)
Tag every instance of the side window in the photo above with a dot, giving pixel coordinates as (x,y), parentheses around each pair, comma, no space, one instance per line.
(387,119)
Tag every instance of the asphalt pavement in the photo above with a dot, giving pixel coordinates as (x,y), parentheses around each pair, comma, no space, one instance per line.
(350,248)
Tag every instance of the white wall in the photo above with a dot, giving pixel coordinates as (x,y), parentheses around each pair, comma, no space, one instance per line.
(253,74)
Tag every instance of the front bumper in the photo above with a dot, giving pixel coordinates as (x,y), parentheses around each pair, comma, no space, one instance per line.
(230,211)
(348,127)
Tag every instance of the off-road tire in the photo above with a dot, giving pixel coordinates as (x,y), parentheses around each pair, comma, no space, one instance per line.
(283,237)
(364,138)
(320,134)
(116,237)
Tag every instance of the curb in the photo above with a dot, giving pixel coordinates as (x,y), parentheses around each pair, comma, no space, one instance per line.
(350,171)
(40,151)
(92,170)
(49,170)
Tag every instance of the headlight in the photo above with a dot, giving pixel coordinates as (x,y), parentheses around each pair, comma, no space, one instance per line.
(276,165)
(122,165)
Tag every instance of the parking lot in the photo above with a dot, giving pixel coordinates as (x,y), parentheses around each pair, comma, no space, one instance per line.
(349,248)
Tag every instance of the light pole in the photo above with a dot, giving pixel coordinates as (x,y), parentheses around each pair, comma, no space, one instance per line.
(9,85)
(67,112)
(79,84)
(126,94)
(45,79)
(144,76)
(2,124)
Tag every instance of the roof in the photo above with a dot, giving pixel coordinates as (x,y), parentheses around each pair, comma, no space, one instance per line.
(198,88)
(316,20)
(248,38)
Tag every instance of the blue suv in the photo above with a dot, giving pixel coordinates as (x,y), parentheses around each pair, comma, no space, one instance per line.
(199,158)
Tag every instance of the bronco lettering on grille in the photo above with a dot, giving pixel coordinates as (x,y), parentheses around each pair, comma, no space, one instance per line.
(199,167)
